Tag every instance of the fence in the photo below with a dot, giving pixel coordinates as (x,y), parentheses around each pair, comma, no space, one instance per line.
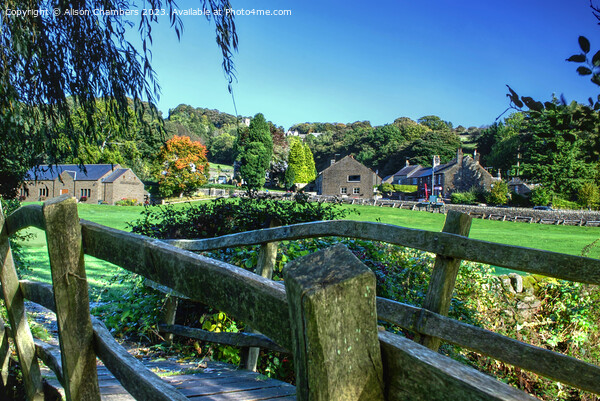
(325,314)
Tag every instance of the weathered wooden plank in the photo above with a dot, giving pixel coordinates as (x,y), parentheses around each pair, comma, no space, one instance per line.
(331,298)
(235,339)
(443,276)
(544,362)
(414,372)
(23,217)
(65,252)
(4,354)
(255,300)
(264,268)
(135,378)
(553,264)
(13,300)
(169,313)
(50,355)
(273,393)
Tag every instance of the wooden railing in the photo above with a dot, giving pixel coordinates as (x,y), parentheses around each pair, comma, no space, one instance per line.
(326,312)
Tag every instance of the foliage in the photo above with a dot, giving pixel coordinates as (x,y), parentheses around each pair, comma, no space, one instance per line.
(560,203)
(589,195)
(225,216)
(127,202)
(18,252)
(255,149)
(540,196)
(498,194)
(47,58)
(464,198)
(407,189)
(181,166)
(386,188)
(136,312)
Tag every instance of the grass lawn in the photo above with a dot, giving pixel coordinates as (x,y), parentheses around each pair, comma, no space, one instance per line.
(566,239)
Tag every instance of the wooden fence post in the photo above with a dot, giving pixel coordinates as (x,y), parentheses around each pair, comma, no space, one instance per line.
(264,267)
(169,313)
(65,250)
(337,356)
(443,276)
(4,354)
(14,302)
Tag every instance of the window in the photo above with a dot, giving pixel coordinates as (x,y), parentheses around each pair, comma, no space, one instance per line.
(343,190)
(356,190)
(43,192)
(354,178)
(85,193)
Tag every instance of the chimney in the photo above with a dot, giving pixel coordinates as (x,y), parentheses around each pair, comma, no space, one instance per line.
(499,176)
(476,156)
(459,157)
(407,163)
(332,161)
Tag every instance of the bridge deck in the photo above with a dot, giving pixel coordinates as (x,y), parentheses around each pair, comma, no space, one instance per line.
(216,381)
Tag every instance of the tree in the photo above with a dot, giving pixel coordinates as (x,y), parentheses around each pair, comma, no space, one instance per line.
(297,163)
(255,152)
(498,193)
(309,164)
(182,166)
(540,196)
(589,195)
(49,56)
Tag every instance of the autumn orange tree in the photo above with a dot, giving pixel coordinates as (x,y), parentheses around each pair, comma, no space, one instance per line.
(182,166)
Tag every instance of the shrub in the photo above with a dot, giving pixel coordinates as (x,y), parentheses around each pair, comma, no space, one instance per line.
(126,202)
(407,189)
(540,196)
(498,195)
(464,198)
(559,203)
(227,216)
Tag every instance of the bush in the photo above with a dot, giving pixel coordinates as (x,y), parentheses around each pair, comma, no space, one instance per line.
(463,198)
(498,195)
(540,196)
(407,189)
(519,200)
(126,202)
(559,203)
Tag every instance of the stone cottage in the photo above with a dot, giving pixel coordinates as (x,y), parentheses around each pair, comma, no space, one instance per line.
(459,175)
(97,183)
(347,177)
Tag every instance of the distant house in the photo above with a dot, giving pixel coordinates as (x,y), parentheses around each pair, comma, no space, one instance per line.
(407,175)
(347,177)
(98,183)
(459,175)
(520,187)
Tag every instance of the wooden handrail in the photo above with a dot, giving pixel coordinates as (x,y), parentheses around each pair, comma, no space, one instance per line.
(225,287)
(535,261)
(243,294)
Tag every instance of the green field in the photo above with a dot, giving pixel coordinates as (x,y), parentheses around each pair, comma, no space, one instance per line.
(566,239)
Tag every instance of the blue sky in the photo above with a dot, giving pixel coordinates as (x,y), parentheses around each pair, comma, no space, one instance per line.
(344,61)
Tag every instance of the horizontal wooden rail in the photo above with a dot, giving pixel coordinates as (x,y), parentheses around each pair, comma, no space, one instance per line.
(553,264)
(25,216)
(414,372)
(257,301)
(236,339)
(544,362)
(141,383)
(50,355)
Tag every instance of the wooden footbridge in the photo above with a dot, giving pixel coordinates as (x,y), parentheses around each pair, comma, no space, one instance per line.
(325,314)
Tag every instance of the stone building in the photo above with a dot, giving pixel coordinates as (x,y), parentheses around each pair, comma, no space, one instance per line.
(98,183)
(347,177)
(459,175)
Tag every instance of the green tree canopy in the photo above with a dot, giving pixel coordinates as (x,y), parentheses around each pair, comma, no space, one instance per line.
(47,57)
(255,150)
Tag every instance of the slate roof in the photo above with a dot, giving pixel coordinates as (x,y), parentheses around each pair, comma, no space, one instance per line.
(408,170)
(116,174)
(49,173)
